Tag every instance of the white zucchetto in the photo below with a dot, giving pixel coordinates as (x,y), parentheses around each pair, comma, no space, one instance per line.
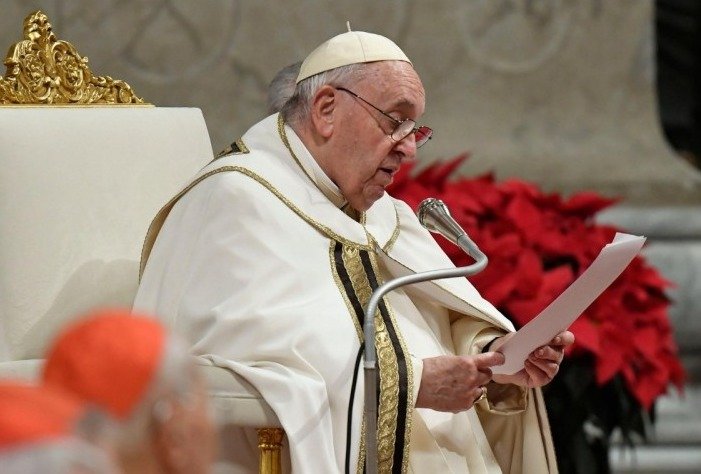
(351,47)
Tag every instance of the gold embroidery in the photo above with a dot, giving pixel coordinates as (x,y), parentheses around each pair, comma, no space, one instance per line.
(44,70)
(386,362)
(386,356)
(389,394)
(395,234)
(410,375)
(388,245)
(236,148)
(286,142)
(318,225)
(158,221)
(243,149)
(360,468)
(341,289)
(363,215)
(350,259)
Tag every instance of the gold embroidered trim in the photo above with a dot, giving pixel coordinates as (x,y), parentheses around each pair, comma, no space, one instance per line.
(158,221)
(388,368)
(395,234)
(350,260)
(44,70)
(389,390)
(360,467)
(286,142)
(387,359)
(236,148)
(341,288)
(243,149)
(393,398)
(318,225)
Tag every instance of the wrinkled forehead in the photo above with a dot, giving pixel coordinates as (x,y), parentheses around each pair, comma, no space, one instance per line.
(395,83)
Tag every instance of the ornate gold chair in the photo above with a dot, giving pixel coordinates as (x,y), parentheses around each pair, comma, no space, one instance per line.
(86,165)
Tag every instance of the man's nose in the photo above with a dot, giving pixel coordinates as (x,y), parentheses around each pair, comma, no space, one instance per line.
(407,148)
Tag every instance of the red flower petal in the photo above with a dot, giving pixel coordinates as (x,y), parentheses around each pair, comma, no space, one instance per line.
(586,335)
(587,203)
(536,244)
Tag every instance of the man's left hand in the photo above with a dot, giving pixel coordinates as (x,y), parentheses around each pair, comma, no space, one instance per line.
(542,364)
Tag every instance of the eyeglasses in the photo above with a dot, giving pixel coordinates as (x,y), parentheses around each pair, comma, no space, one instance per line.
(402,128)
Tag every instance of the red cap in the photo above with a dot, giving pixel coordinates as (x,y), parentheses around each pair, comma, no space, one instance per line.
(30,413)
(109,358)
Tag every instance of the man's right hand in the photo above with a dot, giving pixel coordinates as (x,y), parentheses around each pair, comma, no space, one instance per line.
(454,383)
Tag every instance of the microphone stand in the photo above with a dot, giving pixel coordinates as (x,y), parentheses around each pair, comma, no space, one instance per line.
(435,217)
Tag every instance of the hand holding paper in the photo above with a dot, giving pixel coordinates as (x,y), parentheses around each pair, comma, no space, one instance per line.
(567,307)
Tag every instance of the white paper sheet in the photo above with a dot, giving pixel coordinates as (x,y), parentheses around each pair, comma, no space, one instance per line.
(567,307)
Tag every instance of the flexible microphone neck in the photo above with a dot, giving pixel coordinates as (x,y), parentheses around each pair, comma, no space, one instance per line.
(434,216)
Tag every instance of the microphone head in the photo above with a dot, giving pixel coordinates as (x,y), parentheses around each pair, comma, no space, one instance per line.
(433,214)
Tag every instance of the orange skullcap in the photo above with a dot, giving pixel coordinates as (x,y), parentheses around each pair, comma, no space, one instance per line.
(30,413)
(109,358)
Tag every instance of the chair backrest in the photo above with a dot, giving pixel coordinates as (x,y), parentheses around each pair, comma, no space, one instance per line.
(79,186)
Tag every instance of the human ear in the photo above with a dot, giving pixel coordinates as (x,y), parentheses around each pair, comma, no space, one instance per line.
(322,110)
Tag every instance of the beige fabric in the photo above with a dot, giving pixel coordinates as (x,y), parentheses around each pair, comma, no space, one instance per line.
(78,188)
(352,47)
(514,419)
(450,442)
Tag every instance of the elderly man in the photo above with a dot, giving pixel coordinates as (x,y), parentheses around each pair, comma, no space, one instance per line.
(144,377)
(268,259)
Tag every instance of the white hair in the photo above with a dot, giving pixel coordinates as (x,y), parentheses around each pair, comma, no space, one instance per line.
(174,381)
(282,87)
(298,107)
(66,455)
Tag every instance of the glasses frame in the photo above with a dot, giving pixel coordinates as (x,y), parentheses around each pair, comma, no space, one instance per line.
(398,123)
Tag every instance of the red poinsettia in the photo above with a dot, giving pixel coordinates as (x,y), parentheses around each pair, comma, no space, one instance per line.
(537,245)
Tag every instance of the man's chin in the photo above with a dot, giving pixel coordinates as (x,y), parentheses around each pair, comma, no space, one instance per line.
(374,197)
(367,200)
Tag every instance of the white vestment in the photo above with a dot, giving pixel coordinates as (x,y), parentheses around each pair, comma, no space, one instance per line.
(259,267)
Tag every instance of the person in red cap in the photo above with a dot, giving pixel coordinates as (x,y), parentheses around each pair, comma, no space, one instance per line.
(45,430)
(145,378)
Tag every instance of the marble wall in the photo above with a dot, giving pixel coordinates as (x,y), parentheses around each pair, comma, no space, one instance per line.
(559,92)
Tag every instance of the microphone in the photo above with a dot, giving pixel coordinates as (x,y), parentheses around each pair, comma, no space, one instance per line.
(434,216)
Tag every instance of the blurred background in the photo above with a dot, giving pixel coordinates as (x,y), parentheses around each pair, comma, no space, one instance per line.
(571,95)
